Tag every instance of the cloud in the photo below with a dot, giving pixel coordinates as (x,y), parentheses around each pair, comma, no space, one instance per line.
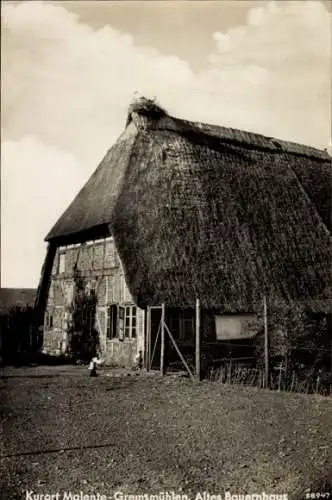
(38,181)
(66,89)
(278,31)
(75,82)
(292,42)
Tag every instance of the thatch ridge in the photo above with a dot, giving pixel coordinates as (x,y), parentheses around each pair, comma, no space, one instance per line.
(159,119)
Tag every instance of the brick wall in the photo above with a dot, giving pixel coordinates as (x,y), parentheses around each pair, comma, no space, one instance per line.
(100,265)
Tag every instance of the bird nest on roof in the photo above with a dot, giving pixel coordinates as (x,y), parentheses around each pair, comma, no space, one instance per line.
(146,106)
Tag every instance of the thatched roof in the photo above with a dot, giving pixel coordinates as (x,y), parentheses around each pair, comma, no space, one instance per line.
(203,211)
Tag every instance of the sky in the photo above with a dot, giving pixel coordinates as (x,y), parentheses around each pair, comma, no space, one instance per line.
(71,69)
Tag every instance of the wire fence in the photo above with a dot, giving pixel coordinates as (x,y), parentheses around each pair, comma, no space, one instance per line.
(280,379)
(300,368)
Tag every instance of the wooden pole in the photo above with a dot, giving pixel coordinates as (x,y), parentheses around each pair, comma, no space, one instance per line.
(155,345)
(266,345)
(162,341)
(198,341)
(329,329)
(179,353)
(148,338)
(281,367)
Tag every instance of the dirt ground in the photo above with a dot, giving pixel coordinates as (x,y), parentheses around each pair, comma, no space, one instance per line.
(65,432)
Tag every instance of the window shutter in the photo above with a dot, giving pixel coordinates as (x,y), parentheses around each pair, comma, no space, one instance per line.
(114,320)
(121,316)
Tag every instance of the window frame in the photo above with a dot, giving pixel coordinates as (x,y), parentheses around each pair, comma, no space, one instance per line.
(130,314)
(124,324)
(62,260)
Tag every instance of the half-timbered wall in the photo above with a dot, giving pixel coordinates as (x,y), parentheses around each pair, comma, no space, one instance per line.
(99,264)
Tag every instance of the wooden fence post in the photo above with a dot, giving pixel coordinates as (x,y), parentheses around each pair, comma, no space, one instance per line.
(155,345)
(329,329)
(148,338)
(192,376)
(198,341)
(266,345)
(162,340)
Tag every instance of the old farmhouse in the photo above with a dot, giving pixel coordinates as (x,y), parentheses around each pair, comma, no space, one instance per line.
(179,211)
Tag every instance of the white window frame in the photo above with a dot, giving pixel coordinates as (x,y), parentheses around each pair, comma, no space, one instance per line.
(121,322)
(62,263)
(130,314)
(126,316)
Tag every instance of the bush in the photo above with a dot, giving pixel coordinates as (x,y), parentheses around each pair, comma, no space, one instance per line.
(82,334)
(296,337)
(20,336)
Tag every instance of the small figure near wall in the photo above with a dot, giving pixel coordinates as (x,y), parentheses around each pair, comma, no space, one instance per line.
(94,363)
(139,361)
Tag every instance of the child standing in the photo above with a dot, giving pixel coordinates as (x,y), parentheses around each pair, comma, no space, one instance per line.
(93,367)
(94,363)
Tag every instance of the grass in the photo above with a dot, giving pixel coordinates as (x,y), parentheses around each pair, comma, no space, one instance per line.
(64,431)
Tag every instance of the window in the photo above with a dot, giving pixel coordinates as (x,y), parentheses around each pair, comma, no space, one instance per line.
(112,322)
(130,321)
(226,328)
(62,263)
(235,326)
(121,322)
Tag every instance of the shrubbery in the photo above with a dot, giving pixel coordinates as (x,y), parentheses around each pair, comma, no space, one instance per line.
(21,338)
(83,338)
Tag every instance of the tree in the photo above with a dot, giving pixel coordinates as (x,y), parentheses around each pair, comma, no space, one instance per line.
(83,338)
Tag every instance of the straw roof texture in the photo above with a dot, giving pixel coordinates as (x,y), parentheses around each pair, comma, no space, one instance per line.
(203,211)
